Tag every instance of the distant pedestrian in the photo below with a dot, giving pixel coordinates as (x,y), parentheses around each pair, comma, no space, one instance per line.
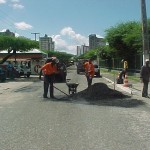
(144,75)
(125,68)
(10,70)
(89,71)
(49,70)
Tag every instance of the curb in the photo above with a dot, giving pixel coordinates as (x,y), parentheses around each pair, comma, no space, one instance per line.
(126,89)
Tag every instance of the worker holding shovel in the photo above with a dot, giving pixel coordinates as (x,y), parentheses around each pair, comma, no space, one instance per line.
(49,70)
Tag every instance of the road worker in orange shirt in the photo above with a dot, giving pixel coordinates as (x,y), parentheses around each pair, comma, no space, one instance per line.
(49,70)
(89,71)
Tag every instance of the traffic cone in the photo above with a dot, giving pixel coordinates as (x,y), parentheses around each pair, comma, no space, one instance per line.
(126,83)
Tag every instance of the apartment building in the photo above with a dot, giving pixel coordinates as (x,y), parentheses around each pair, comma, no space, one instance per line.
(95,41)
(82,49)
(7,33)
(46,43)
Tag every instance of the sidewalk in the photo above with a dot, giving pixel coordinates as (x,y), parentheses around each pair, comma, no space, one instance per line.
(134,89)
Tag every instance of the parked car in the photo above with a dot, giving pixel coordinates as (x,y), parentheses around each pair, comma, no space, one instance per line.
(97,70)
(23,70)
(7,73)
(80,67)
(2,74)
(62,73)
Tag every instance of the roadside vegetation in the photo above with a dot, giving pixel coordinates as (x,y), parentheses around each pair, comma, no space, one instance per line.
(62,56)
(124,41)
(14,44)
(21,44)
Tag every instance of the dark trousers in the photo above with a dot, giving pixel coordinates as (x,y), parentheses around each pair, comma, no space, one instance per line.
(145,88)
(89,80)
(48,81)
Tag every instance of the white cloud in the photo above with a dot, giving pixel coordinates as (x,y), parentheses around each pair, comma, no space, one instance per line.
(99,36)
(59,41)
(78,38)
(17,35)
(68,40)
(3,30)
(17,6)
(23,26)
(15,1)
(2,1)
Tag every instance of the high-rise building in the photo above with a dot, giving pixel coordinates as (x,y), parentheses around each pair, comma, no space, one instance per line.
(82,49)
(7,33)
(95,41)
(46,43)
(78,50)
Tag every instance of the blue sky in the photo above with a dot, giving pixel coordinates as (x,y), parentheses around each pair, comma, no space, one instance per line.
(69,22)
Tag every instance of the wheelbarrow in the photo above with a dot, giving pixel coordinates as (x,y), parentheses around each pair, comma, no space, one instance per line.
(72,87)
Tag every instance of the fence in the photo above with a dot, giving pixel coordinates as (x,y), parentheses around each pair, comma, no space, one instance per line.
(134,64)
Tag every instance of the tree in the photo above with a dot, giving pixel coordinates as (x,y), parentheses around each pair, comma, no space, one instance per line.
(89,54)
(125,40)
(62,56)
(14,44)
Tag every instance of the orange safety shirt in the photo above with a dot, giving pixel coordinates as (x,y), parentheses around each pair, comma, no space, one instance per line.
(49,69)
(89,69)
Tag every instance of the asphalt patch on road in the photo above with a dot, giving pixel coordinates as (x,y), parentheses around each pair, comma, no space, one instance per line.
(99,91)
(101,94)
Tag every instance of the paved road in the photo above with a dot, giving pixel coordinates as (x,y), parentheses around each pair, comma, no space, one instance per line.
(29,122)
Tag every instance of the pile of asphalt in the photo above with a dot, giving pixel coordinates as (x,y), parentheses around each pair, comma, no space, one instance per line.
(99,91)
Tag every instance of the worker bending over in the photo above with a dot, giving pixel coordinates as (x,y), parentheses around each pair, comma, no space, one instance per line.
(49,70)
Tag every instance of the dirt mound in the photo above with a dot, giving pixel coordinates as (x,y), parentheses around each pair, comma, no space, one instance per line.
(99,91)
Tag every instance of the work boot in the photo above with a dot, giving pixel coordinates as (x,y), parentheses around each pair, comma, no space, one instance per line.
(52,96)
(44,96)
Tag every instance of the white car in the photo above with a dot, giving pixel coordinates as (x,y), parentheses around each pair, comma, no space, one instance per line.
(23,71)
(97,70)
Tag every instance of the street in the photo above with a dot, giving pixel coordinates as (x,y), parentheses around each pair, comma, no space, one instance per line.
(30,122)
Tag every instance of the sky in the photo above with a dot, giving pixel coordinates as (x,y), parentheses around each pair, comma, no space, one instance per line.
(68,22)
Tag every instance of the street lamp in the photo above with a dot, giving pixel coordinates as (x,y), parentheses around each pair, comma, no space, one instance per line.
(35,35)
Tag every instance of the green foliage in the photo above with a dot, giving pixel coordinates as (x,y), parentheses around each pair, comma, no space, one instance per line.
(105,52)
(89,54)
(62,56)
(125,39)
(17,43)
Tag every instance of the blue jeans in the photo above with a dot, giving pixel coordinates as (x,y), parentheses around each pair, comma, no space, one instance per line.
(145,88)
(89,80)
(48,81)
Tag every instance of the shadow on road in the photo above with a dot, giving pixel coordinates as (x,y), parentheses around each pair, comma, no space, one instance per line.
(23,79)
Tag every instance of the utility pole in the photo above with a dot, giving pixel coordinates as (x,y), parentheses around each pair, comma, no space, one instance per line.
(145,35)
(35,35)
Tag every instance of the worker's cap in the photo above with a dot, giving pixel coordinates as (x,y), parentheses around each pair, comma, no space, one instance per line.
(55,60)
(49,60)
(146,60)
